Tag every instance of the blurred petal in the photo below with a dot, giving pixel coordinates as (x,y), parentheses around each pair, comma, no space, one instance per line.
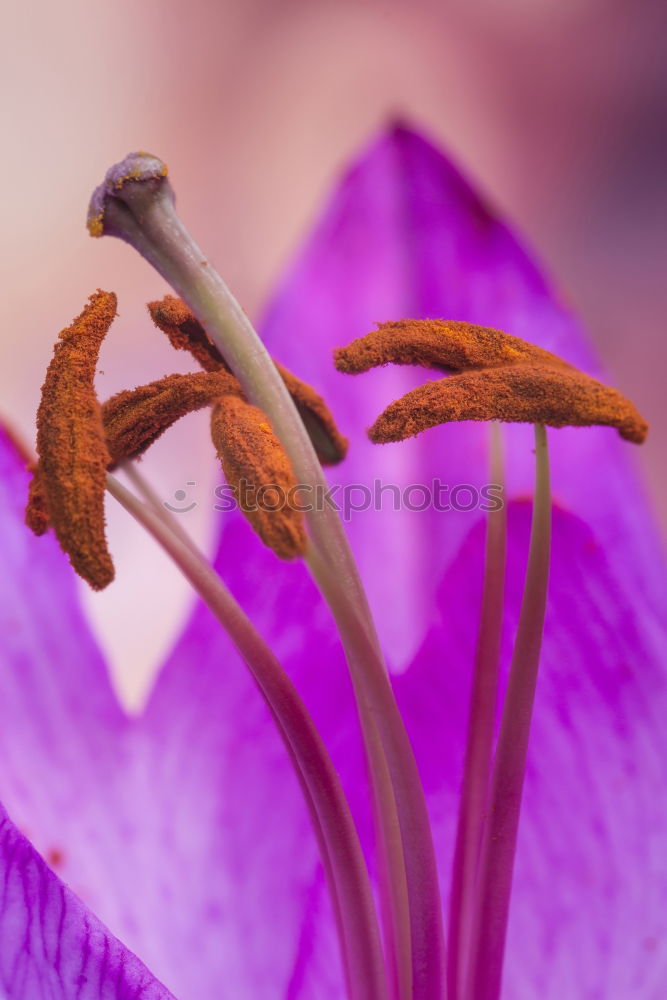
(591,874)
(50,944)
(58,714)
(184,830)
(187,826)
(273,931)
(405,235)
(239,833)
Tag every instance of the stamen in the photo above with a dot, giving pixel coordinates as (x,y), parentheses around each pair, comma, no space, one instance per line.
(515,395)
(253,460)
(135,419)
(185,332)
(496,864)
(132,420)
(73,456)
(256,466)
(143,214)
(496,377)
(329,444)
(473,802)
(493,376)
(442,344)
(36,514)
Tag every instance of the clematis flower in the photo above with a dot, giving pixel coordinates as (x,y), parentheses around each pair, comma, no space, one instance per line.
(172,854)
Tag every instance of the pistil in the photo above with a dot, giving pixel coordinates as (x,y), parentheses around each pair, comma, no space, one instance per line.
(492,376)
(136,203)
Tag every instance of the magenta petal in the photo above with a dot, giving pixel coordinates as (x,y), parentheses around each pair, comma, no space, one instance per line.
(67,775)
(258,854)
(185,829)
(405,235)
(50,944)
(591,875)
(250,892)
(60,723)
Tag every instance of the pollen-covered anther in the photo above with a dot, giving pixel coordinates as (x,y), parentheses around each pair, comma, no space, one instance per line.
(36,512)
(494,377)
(435,343)
(523,394)
(134,419)
(260,473)
(69,484)
(330,445)
(185,332)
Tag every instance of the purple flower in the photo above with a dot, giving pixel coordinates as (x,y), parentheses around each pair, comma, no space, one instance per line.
(184,830)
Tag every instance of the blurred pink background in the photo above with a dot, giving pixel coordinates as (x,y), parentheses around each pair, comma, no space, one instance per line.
(555,109)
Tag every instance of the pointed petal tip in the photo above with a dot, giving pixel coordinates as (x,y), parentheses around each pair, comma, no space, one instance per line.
(399,130)
(52,944)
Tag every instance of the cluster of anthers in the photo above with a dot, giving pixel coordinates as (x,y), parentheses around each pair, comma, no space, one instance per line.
(79,439)
(494,376)
(262,438)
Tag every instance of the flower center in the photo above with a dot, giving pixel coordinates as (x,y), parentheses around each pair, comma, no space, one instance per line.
(272,431)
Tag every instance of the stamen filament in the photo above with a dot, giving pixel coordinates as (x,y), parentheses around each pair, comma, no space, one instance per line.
(473,802)
(334,826)
(395,898)
(144,215)
(509,766)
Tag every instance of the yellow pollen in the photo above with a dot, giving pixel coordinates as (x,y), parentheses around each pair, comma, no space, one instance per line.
(96,225)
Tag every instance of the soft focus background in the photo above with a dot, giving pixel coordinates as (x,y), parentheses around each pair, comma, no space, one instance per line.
(556,109)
